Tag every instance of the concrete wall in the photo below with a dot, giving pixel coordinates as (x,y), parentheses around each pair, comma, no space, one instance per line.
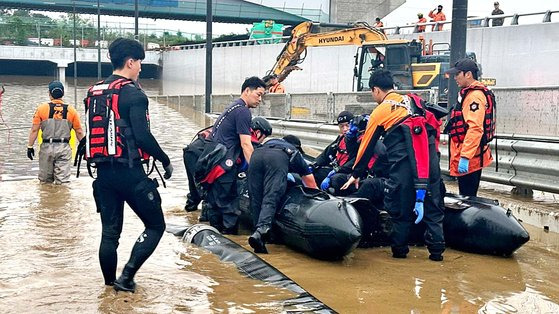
(349,11)
(521,55)
(516,55)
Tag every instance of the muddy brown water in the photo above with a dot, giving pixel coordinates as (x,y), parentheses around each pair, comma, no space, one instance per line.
(49,236)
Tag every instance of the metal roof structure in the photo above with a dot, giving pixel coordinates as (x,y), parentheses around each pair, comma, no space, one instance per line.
(225,11)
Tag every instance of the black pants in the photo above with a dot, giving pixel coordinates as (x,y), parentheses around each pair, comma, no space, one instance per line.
(469,184)
(223,199)
(267,183)
(190,156)
(116,184)
(399,201)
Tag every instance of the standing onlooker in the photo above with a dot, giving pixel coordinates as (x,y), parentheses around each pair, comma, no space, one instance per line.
(497,11)
(471,127)
(56,119)
(421,19)
(437,17)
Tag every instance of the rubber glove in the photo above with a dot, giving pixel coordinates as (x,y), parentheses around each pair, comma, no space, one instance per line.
(30,153)
(326,182)
(290,177)
(168,171)
(418,209)
(353,130)
(80,150)
(463,165)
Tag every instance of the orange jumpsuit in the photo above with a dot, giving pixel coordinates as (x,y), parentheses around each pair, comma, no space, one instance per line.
(421,28)
(473,111)
(437,17)
(277,89)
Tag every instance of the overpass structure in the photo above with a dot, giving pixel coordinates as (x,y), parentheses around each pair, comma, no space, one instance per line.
(226,11)
(62,57)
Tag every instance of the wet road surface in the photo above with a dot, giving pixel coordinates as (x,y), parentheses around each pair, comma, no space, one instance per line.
(49,237)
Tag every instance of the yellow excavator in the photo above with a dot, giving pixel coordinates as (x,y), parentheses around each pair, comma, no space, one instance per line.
(412,63)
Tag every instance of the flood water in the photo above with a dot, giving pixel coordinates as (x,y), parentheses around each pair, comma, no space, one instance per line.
(49,236)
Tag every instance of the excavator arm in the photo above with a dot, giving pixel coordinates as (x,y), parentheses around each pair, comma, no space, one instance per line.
(294,51)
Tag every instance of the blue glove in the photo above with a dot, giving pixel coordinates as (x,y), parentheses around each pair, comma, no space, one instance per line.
(244,166)
(311,169)
(290,177)
(463,165)
(418,209)
(326,182)
(353,130)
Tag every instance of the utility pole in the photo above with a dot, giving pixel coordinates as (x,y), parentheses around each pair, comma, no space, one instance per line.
(457,43)
(75,57)
(98,41)
(209,21)
(136,15)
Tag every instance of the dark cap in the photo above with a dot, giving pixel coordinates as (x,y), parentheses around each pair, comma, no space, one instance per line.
(344,116)
(496,3)
(56,89)
(295,141)
(464,65)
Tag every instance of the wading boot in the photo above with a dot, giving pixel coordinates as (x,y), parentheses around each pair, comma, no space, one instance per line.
(191,205)
(385,222)
(125,282)
(258,240)
(436,257)
(204,214)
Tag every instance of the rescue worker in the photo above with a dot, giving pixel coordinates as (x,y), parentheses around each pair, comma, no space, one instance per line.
(471,127)
(267,183)
(336,154)
(437,16)
(230,147)
(420,20)
(273,85)
(120,174)
(191,153)
(413,183)
(56,120)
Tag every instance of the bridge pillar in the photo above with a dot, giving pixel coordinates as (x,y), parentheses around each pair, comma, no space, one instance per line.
(62,72)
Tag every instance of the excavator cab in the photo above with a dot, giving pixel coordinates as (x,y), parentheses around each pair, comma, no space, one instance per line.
(393,55)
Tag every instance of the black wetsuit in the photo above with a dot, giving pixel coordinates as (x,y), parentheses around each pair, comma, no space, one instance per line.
(117,183)
(267,178)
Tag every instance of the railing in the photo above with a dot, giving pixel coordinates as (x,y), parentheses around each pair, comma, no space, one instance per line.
(484,21)
(523,162)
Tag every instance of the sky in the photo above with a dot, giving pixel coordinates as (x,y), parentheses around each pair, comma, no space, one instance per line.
(405,14)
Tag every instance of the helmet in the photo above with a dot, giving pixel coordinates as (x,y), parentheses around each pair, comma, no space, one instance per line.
(419,15)
(259,123)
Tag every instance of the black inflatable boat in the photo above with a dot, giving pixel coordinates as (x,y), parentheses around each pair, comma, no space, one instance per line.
(327,227)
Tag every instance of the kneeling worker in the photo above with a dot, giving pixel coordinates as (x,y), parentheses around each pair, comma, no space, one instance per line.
(267,183)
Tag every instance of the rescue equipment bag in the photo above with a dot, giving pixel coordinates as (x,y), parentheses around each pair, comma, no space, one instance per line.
(108,135)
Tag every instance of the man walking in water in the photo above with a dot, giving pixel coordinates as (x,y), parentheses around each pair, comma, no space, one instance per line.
(118,107)
(56,120)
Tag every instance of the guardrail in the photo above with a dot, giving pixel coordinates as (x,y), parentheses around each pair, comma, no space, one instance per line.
(322,107)
(523,162)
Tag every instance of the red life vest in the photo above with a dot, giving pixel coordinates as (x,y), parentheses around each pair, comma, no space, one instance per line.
(342,155)
(420,123)
(458,126)
(108,135)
